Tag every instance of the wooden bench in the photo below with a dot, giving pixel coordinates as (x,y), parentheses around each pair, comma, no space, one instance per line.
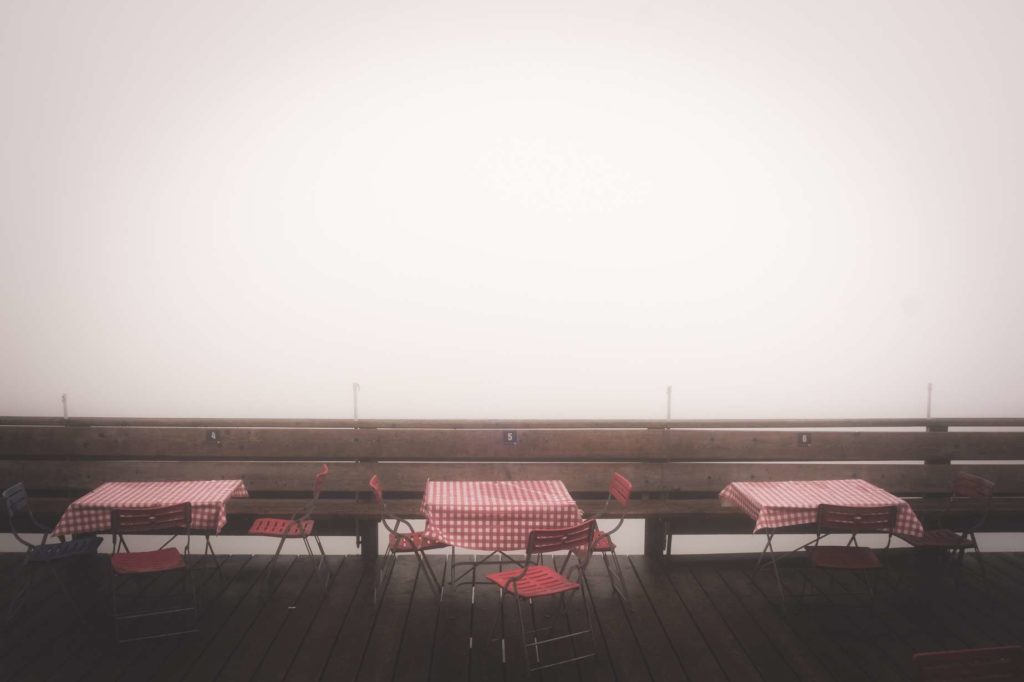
(677,467)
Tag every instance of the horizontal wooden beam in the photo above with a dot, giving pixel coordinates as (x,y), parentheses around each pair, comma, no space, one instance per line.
(205,422)
(705,479)
(684,514)
(610,445)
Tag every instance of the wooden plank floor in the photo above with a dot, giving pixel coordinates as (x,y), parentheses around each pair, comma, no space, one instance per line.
(692,618)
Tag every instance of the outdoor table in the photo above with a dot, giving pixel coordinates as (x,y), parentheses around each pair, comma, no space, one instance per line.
(91,512)
(495,516)
(778,504)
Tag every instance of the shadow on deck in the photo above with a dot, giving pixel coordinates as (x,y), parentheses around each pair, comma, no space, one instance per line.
(698,619)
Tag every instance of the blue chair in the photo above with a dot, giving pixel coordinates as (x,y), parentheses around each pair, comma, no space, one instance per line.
(42,555)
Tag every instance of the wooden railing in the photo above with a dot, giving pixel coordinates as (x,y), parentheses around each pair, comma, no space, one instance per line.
(677,466)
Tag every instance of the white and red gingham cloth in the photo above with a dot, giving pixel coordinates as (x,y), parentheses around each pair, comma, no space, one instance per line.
(774,504)
(495,515)
(91,512)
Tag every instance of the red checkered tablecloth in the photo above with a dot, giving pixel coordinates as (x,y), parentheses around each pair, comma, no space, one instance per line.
(495,515)
(774,504)
(91,513)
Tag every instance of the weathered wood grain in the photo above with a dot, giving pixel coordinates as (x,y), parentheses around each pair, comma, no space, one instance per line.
(299,444)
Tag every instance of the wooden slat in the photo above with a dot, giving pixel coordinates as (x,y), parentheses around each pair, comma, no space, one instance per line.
(353,578)
(756,643)
(298,444)
(705,479)
(683,516)
(871,422)
(417,644)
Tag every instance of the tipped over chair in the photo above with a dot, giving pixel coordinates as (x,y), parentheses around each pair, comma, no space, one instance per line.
(988,664)
(408,541)
(299,526)
(534,581)
(40,555)
(964,512)
(131,566)
(850,558)
(619,490)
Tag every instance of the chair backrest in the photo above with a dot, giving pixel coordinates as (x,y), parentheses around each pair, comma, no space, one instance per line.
(834,518)
(318,486)
(16,504)
(620,488)
(378,494)
(15,501)
(318,481)
(543,540)
(969,504)
(174,518)
(988,663)
(969,485)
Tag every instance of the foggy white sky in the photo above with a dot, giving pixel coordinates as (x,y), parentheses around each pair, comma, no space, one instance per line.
(526,209)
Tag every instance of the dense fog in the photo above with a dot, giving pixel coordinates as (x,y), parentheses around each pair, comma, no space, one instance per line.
(525,209)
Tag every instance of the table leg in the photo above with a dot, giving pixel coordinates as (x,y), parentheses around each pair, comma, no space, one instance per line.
(766,557)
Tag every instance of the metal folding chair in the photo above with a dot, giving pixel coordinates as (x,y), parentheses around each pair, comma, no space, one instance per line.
(619,490)
(535,580)
(964,665)
(410,541)
(964,513)
(37,556)
(297,527)
(851,558)
(130,566)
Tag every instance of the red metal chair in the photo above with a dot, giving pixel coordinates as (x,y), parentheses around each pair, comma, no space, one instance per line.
(964,513)
(964,665)
(299,526)
(836,519)
(535,580)
(410,541)
(619,489)
(175,519)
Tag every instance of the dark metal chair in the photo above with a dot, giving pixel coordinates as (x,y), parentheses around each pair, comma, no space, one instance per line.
(619,490)
(963,514)
(37,556)
(409,541)
(534,580)
(128,566)
(837,519)
(297,527)
(966,665)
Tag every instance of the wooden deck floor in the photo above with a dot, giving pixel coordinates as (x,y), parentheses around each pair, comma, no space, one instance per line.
(699,619)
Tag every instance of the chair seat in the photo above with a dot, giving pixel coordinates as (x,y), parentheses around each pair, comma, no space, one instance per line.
(940,538)
(602,542)
(539,581)
(147,562)
(281,528)
(413,542)
(849,558)
(64,550)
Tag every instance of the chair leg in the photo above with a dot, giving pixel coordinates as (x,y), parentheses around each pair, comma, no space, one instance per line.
(522,631)
(270,566)
(615,574)
(208,551)
(499,616)
(435,586)
(981,564)
(323,561)
(384,576)
(113,606)
(20,600)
